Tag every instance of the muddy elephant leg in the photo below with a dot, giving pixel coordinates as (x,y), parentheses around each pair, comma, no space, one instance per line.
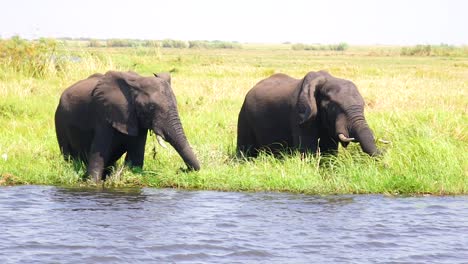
(100,151)
(136,150)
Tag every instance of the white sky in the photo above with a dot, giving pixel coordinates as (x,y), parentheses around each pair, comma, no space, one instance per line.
(401,22)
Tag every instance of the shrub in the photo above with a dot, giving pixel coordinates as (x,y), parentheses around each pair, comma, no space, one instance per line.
(198,44)
(434,50)
(340,47)
(151,43)
(31,58)
(171,43)
(216,44)
(418,50)
(298,46)
(337,47)
(123,43)
(94,43)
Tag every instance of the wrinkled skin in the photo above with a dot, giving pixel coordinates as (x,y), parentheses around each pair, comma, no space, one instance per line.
(282,113)
(104,116)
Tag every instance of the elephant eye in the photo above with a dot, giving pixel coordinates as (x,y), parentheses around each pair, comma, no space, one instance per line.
(324,103)
(334,108)
(324,96)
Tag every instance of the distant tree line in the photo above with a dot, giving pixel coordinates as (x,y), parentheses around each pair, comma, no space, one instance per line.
(166,43)
(434,50)
(215,44)
(338,47)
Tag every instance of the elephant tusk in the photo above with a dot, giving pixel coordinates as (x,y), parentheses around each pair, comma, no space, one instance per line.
(161,141)
(384,141)
(345,139)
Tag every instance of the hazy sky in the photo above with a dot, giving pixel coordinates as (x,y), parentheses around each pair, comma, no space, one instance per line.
(404,22)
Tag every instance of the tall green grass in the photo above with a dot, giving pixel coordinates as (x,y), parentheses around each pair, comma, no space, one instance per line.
(417,103)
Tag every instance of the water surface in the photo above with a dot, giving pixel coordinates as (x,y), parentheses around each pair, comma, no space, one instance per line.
(58,225)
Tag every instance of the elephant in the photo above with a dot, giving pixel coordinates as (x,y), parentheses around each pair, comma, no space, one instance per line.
(100,118)
(311,115)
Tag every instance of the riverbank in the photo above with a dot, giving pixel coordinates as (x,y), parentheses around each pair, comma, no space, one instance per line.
(417,103)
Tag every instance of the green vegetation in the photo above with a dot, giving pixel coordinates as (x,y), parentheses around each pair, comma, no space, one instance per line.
(29,58)
(197,44)
(165,43)
(434,50)
(416,102)
(338,47)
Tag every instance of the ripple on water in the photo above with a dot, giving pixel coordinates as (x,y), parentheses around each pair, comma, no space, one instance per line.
(48,224)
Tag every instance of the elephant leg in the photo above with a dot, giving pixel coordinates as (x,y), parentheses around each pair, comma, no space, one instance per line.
(115,154)
(308,144)
(73,144)
(328,145)
(246,143)
(64,141)
(100,152)
(64,145)
(136,150)
(305,138)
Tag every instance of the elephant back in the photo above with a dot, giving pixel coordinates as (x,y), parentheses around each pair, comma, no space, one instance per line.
(75,103)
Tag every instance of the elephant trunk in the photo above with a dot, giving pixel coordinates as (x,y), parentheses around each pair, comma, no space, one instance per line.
(360,129)
(174,134)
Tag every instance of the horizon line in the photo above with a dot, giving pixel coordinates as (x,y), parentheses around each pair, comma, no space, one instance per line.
(286,42)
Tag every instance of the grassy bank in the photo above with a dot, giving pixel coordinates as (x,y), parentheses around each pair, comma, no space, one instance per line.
(418,103)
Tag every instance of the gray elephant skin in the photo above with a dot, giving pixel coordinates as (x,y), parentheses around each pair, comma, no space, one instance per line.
(106,115)
(311,114)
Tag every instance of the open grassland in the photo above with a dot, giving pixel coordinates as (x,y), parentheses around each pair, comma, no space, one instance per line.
(418,103)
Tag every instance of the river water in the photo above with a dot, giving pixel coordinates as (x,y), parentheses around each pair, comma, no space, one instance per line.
(40,224)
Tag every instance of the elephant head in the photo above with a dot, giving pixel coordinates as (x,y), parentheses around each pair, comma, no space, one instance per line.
(338,107)
(132,103)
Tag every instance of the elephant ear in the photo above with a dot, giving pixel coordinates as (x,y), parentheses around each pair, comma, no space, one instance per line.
(164,75)
(114,99)
(306,102)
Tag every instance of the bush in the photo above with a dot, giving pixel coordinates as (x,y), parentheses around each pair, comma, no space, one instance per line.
(418,50)
(298,46)
(225,45)
(31,58)
(171,43)
(337,47)
(151,44)
(216,44)
(434,50)
(340,47)
(94,43)
(198,44)
(123,43)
